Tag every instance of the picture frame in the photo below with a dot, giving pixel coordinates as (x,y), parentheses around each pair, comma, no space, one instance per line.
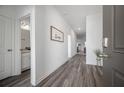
(56,34)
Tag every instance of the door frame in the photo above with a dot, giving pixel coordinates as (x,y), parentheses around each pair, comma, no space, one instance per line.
(32,45)
(21,18)
(32,68)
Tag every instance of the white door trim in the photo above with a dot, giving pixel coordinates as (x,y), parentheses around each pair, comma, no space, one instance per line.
(32,45)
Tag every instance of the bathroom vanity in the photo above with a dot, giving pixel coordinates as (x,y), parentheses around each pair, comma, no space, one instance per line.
(25,59)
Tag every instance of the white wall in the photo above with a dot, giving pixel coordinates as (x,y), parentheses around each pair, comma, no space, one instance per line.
(94,33)
(49,54)
(69,46)
(73,43)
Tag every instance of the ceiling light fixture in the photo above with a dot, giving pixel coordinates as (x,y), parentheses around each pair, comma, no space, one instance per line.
(79,28)
(26,27)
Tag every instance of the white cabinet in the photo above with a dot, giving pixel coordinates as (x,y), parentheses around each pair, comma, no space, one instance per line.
(25,58)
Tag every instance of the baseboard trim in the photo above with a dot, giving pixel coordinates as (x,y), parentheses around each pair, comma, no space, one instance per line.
(42,79)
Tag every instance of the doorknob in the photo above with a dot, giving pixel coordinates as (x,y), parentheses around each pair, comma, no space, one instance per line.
(9,50)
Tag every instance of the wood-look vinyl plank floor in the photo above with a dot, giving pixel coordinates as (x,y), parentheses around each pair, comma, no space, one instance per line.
(22,80)
(74,73)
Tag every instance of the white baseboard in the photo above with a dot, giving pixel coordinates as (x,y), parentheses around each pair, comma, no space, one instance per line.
(42,78)
(47,74)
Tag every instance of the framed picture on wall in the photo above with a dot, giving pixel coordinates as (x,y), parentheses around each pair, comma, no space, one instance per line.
(56,34)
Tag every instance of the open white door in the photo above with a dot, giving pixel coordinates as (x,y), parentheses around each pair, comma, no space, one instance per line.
(113,33)
(5,47)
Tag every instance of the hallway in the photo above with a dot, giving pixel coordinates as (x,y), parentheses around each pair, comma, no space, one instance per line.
(74,73)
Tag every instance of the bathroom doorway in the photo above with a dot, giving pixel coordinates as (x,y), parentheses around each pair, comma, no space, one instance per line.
(25,46)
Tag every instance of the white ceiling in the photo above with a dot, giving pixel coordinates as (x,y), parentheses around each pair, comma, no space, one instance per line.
(76,15)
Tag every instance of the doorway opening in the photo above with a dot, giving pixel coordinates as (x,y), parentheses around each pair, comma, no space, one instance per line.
(25,46)
(81,46)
